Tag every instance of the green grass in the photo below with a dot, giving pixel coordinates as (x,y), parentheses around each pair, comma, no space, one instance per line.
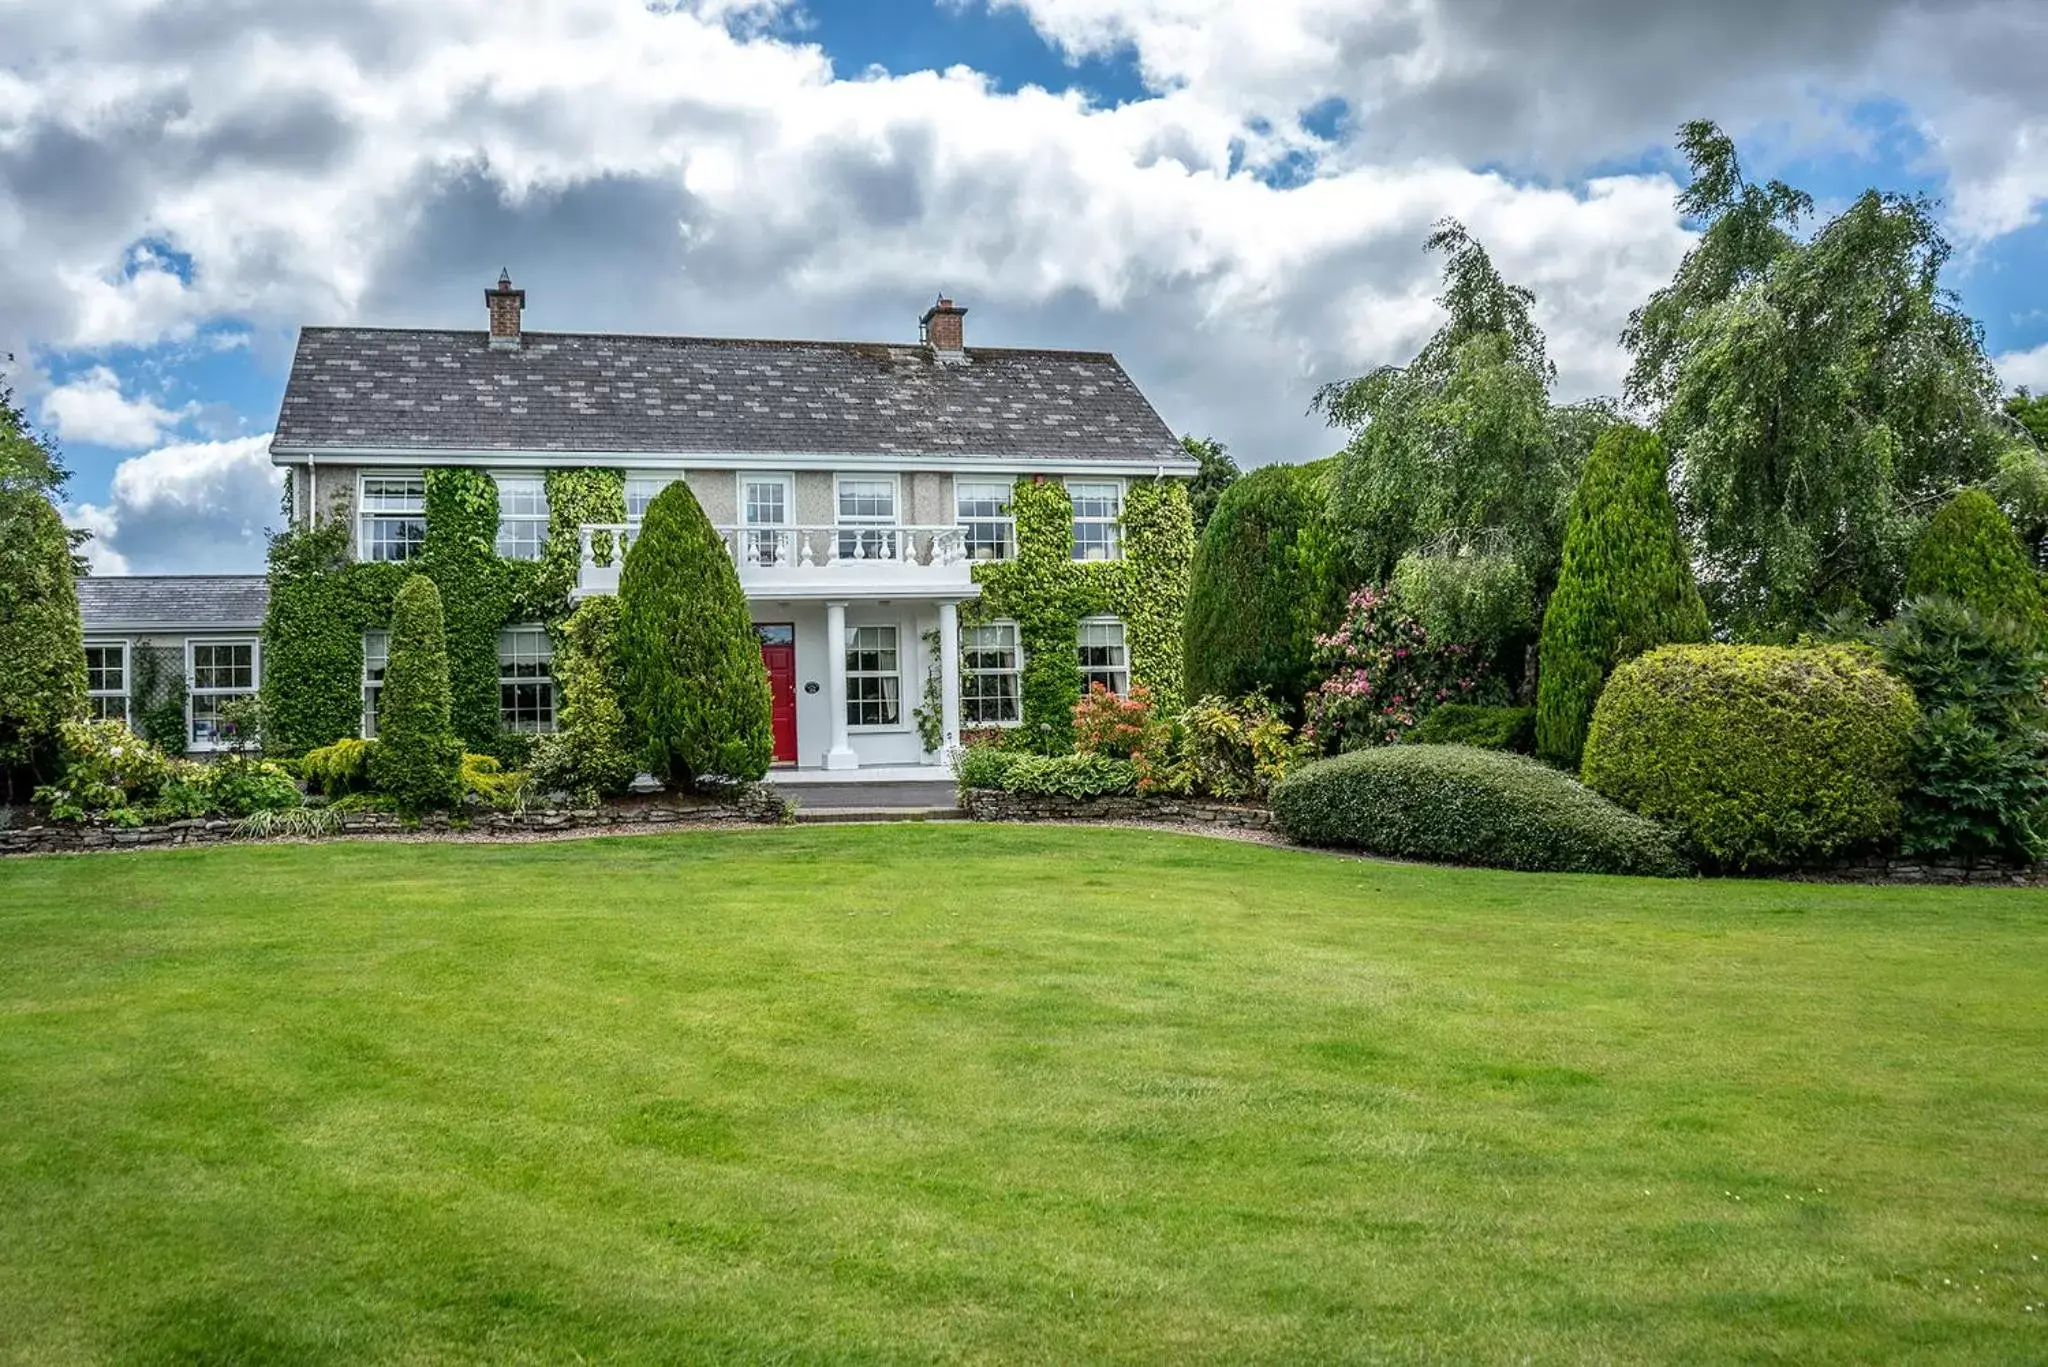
(940,1092)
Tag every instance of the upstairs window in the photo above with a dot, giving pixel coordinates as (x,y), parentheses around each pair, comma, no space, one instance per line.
(522,516)
(982,508)
(991,675)
(1097,507)
(526,685)
(1104,660)
(869,503)
(764,507)
(376,654)
(641,491)
(106,680)
(394,517)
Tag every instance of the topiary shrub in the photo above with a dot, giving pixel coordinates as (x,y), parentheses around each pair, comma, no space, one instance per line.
(1970,552)
(417,761)
(1489,728)
(1265,579)
(1624,586)
(42,642)
(588,754)
(1980,753)
(1459,805)
(1761,756)
(695,691)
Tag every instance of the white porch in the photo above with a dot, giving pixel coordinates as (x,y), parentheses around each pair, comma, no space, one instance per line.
(861,672)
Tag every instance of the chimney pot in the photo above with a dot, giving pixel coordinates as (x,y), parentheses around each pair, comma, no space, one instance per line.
(944,331)
(505,305)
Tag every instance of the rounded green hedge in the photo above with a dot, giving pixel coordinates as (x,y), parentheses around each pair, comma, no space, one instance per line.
(1489,728)
(1761,756)
(1460,805)
(1970,552)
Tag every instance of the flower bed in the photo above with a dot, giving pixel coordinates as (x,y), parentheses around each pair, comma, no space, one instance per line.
(752,804)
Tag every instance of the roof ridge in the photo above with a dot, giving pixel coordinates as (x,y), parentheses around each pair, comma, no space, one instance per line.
(483,335)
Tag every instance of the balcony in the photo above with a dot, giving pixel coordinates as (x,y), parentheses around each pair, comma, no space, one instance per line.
(845,560)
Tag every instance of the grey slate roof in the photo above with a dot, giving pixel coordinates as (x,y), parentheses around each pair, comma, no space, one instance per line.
(169,602)
(385,389)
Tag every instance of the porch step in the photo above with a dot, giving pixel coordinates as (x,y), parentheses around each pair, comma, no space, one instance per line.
(833,816)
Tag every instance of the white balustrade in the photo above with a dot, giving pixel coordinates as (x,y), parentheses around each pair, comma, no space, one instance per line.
(842,557)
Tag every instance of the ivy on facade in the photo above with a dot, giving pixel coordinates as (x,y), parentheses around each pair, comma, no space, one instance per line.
(321,604)
(1047,593)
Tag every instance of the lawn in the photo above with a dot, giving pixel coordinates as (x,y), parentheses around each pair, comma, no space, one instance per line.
(941,1092)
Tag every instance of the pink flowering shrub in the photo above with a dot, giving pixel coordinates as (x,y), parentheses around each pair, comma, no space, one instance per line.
(1382,674)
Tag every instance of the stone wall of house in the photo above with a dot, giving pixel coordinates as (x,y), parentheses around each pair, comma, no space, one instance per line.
(758,804)
(991,804)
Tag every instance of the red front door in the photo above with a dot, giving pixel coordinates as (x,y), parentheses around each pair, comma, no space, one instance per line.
(778,653)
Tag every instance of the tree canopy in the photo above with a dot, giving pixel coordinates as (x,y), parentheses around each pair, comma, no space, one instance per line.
(1819,396)
(1464,438)
(1217,473)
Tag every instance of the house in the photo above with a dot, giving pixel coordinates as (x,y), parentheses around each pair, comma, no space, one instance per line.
(865,492)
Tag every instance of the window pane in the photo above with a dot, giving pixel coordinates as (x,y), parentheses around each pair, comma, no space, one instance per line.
(641,491)
(871,677)
(767,503)
(982,508)
(105,669)
(383,495)
(526,690)
(867,500)
(990,690)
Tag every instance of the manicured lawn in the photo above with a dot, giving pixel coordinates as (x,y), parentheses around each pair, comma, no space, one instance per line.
(921,1093)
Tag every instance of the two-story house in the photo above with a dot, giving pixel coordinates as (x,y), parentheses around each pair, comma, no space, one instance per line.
(858,487)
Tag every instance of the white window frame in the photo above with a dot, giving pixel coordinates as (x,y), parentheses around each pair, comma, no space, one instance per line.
(522,534)
(1114,540)
(853,631)
(373,683)
(778,541)
(850,536)
(368,517)
(1123,644)
(193,692)
(511,657)
(660,480)
(95,696)
(1014,673)
(1003,523)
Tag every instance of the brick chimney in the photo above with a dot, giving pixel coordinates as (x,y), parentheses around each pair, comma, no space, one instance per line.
(505,304)
(943,330)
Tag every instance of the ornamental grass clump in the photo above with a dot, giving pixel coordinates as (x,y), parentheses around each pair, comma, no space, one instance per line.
(1459,805)
(695,692)
(1760,756)
(417,761)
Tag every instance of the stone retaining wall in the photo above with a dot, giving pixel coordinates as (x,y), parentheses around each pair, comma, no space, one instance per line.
(993,804)
(1901,868)
(756,804)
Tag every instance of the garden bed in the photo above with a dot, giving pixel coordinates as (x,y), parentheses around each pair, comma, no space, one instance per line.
(757,804)
(995,804)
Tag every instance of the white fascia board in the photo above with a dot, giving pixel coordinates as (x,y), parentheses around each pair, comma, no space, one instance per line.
(935,463)
(163,628)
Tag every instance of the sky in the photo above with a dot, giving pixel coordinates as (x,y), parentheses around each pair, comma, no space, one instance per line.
(1230,196)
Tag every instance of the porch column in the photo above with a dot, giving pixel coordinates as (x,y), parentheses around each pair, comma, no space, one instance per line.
(949,678)
(841,755)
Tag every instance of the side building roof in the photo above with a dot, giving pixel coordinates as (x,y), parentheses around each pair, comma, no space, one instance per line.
(173,602)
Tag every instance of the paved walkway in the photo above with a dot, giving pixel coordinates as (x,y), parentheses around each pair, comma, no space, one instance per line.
(868,796)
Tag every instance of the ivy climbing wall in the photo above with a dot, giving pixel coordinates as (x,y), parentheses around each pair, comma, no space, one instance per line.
(321,603)
(1046,592)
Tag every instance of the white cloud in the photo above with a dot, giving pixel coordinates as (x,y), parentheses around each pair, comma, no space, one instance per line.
(675,168)
(91,408)
(194,507)
(2029,368)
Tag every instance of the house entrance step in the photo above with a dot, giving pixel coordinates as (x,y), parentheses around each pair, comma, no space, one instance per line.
(832,816)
